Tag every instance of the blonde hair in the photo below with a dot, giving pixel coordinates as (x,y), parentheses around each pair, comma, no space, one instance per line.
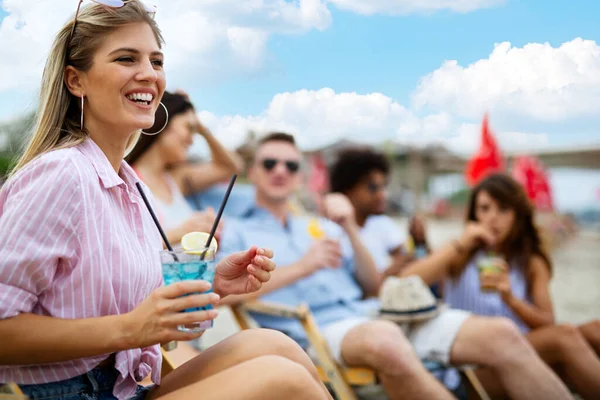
(58,117)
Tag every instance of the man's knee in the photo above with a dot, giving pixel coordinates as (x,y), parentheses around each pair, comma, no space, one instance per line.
(502,341)
(387,349)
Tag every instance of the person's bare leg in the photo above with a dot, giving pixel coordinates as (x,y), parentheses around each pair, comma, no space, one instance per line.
(262,378)
(591,333)
(564,347)
(489,380)
(243,346)
(497,344)
(381,345)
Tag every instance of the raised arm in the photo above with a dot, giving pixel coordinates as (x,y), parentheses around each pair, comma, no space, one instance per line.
(193,178)
(339,209)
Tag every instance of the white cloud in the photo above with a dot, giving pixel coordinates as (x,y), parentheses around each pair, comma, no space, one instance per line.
(322,116)
(205,40)
(539,81)
(26,35)
(369,7)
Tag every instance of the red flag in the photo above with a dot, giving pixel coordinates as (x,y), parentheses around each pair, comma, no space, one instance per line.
(318,180)
(530,173)
(487,160)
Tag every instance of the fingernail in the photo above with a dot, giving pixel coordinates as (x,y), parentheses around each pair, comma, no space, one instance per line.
(214,297)
(215,313)
(260,251)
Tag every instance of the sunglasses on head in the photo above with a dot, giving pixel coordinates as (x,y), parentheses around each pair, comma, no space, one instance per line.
(270,163)
(108,3)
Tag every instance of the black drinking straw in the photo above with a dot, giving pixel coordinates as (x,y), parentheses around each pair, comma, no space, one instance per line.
(220,213)
(160,229)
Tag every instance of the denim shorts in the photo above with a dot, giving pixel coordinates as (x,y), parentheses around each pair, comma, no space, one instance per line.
(96,384)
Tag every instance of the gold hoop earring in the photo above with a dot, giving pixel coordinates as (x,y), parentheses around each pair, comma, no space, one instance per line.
(164,126)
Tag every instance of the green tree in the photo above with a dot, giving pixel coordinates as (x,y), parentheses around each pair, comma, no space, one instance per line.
(17,132)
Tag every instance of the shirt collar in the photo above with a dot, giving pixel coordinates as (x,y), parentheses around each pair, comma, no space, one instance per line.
(108,176)
(256,212)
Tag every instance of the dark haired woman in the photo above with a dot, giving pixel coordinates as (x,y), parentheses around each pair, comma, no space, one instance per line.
(498,267)
(161,162)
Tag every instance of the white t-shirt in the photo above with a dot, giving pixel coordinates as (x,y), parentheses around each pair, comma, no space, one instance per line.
(171,215)
(381,234)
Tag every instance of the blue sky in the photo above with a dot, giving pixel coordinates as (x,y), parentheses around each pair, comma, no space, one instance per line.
(328,69)
(389,54)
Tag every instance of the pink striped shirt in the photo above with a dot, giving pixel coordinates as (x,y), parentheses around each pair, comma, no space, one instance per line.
(77,242)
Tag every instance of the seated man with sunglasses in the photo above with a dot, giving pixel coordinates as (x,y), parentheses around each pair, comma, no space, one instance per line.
(330,274)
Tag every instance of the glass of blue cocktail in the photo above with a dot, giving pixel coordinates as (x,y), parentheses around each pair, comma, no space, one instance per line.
(180,265)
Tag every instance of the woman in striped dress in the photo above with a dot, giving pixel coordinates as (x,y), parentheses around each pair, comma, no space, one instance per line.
(82,306)
(515,284)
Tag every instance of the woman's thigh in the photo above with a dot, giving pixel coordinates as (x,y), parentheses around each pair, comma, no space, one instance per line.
(236,349)
(554,341)
(261,378)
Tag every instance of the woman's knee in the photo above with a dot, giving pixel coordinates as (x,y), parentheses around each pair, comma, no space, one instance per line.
(569,340)
(271,342)
(281,377)
(591,331)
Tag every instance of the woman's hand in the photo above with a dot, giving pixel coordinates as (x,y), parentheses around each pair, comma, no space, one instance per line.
(201,129)
(498,281)
(155,320)
(243,272)
(476,234)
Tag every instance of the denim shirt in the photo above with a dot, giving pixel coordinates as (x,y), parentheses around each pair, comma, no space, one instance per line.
(331,293)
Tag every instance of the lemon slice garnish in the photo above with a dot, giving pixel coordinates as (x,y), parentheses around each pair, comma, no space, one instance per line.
(314,229)
(195,242)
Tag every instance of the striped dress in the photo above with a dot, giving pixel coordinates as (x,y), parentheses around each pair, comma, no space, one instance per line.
(463,293)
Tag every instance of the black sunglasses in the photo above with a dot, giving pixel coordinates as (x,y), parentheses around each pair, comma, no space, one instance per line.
(270,163)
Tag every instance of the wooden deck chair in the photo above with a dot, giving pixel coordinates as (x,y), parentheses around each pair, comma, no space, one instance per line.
(11,391)
(340,380)
(168,364)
